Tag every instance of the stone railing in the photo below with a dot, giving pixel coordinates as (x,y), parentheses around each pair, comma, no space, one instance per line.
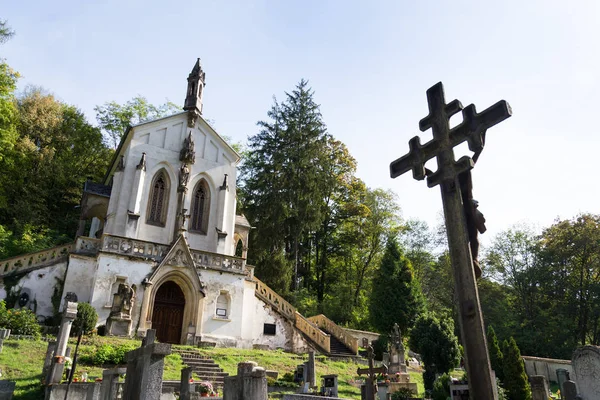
(88,245)
(133,247)
(337,331)
(35,260)
(204,259)
(278,303)
(311,330)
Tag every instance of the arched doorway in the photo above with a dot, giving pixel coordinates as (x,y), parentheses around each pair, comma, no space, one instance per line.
(167,314)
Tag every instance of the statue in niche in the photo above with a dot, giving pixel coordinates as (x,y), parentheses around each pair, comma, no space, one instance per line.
(123,301)
(184,176)
(187,154)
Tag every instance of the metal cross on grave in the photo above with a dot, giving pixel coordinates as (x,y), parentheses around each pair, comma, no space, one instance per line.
(371,381)
(459,210)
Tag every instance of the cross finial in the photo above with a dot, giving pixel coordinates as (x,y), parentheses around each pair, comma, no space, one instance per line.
(472,130)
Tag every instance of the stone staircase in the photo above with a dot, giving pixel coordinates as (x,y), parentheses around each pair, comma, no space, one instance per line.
(204,367)
(337,348)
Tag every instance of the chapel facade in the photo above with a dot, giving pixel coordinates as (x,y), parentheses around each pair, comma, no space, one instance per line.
(160,246)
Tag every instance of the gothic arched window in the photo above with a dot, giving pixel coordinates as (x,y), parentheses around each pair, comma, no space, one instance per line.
(200,208)
(159,199)
(239,248)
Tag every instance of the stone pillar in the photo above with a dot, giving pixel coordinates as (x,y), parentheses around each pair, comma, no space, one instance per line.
(311,376)
(562,375)
(145,369)
(539,388)
(110,383)
(186,387)
(569,391)
(69,315)
(113,204)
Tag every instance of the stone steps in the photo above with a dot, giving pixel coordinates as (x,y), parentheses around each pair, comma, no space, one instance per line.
(204,367)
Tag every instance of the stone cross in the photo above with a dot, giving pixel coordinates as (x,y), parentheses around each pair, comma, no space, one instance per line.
(471,130)
(371,381)
(145,365)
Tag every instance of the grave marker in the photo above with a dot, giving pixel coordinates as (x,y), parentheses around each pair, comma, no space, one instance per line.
(462,218)
(145,366)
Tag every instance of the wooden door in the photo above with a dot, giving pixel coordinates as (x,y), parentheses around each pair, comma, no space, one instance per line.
(167,315)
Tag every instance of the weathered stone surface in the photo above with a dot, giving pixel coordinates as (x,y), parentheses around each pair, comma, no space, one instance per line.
(539,388)
(250,383)
(6,389)
(569,390)
(110,381)
(586,366)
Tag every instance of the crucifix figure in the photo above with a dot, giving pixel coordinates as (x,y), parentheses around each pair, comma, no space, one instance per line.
(371,381)
(463,219)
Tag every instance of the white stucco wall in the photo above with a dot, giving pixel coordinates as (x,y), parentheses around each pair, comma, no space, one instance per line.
(80,277)
(39,284)
(110,268)
(162,140)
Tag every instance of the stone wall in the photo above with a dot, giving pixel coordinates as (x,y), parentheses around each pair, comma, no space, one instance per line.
(545,366)
(360,335)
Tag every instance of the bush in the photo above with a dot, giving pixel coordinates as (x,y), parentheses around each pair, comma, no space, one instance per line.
(86,318)
(403,394)
(111,355)
(20,321)
(441,388)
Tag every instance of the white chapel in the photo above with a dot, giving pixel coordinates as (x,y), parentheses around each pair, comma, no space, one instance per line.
(166,250)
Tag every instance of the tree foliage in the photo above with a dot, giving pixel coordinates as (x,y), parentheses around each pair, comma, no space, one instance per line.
(434,339)
(396,297)
(114,118)
(515,378)
(496,357)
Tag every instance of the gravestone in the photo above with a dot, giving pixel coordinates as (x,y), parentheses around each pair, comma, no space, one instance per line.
(462,218)
(539,388)
(562,375)
(250,383)
(143,380)
(569,391)
(6,389)
(48,360)
(186,387)
(4,334)
(330,386)
(110,383)
(586,367)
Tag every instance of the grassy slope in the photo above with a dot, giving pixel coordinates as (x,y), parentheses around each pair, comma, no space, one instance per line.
(22,361)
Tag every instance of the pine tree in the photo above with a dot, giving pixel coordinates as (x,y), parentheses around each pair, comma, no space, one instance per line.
(515,378)
(283,184)
(396,296)
(496,357)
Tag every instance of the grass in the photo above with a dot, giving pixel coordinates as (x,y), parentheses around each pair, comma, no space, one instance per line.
(22,361)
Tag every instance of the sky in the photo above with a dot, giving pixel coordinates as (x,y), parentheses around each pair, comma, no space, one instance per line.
(369,64)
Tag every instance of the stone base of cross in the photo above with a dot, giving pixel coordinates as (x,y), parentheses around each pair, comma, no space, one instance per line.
(459,213)
(143,380)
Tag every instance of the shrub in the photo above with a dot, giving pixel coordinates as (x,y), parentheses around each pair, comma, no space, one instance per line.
(403,394)
(86,318)
(20,321)
(104,355)
(441,388)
